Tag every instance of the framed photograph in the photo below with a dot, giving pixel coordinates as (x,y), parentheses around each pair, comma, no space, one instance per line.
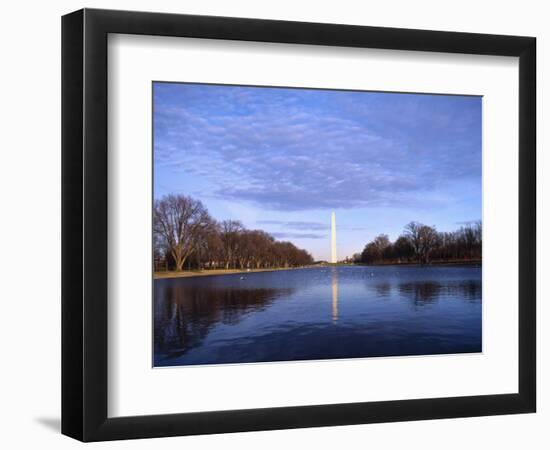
(273,224)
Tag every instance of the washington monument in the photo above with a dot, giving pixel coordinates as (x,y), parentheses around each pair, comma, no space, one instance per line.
(333,257)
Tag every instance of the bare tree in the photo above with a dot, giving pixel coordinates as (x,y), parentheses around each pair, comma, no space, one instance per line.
(230,234)
(261,242)
(382,242)
(403,249)
(208,245)
(245,249)
(423,244)
(185,234)
(213,246)
(423,239)
(180,222)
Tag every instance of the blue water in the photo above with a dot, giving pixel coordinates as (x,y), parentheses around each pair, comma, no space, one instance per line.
(317,313)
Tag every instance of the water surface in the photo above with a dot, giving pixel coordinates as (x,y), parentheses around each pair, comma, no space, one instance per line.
(317,313)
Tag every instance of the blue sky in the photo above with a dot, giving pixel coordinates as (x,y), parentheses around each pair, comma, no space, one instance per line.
(283,159)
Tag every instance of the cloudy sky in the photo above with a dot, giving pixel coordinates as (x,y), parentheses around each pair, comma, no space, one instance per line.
(283,159)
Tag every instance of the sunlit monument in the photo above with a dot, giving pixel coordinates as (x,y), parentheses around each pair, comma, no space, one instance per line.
(333,257)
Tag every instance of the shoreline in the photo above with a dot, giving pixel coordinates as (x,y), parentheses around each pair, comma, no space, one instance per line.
(214,272)
(453,262)
(219,272)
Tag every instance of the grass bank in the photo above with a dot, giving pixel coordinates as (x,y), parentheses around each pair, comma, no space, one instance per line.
(213,272)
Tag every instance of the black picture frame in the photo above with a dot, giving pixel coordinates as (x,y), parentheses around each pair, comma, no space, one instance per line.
(84,224)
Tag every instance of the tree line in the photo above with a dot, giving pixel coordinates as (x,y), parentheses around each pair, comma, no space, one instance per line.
(423,244)
(186,236)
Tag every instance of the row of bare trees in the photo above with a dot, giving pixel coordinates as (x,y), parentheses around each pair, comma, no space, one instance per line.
(186,236)
(422,243)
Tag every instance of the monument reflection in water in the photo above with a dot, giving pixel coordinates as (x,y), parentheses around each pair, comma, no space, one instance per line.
(334,294)
(317,313)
